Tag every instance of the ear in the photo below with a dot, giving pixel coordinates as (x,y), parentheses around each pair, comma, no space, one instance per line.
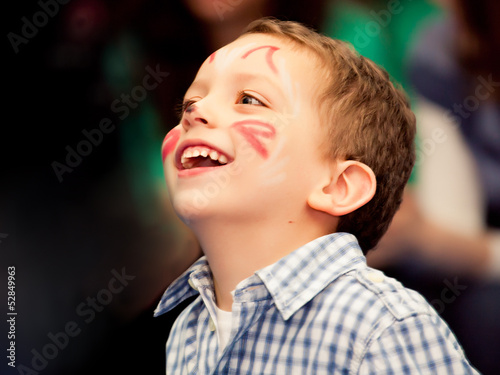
(352,184)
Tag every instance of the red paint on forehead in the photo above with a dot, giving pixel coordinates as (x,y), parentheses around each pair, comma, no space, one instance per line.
(269,55)
(251,130)
(170,142)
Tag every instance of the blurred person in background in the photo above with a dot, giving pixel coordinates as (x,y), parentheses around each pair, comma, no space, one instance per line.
(445,240)
(383,31)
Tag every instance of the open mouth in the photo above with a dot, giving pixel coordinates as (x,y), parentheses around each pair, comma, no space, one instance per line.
(201,156)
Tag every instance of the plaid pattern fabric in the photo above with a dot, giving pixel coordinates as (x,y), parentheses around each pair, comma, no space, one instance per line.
(319,310)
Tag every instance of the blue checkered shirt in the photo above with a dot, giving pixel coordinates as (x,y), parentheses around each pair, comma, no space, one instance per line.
(318,310)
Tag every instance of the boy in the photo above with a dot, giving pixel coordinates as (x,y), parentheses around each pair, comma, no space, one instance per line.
(288,164)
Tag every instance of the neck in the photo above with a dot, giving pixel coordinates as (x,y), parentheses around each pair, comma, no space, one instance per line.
(235,250)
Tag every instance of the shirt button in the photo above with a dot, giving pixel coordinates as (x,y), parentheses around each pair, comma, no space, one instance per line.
(375,276)
(211,325)
(191,284)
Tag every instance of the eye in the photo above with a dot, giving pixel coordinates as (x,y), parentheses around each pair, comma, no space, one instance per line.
(244,98)
(187,106)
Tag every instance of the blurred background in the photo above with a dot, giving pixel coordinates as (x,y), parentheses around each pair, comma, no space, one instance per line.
(92,89)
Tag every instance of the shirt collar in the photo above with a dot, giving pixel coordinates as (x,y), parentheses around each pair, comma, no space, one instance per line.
(298,277)
(185,286)
(292,281)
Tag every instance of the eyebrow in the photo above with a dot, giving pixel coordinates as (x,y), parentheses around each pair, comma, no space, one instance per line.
(273,83)
(197,84)
(270,80)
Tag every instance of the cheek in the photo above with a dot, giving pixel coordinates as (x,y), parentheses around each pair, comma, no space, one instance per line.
(255,132)
(170,142)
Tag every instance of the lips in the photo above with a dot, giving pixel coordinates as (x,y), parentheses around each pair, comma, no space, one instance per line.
(197,156)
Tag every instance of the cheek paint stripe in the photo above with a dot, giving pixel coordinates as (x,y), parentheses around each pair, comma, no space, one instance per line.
(169,142)
(269,56)
(247,129)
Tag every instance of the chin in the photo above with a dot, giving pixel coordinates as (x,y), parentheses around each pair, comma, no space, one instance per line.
(191,206)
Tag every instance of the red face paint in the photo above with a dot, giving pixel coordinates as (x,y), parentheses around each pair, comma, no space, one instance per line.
(169,142)
(211,58)
(251,130)
(269,55)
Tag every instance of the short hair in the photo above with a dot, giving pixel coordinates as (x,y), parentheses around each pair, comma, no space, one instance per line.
(367,118)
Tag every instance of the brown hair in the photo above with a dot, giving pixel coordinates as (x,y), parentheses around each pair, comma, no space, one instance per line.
(368,120)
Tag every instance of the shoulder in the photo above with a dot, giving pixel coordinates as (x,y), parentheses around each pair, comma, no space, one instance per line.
(362,303)
(391,328)
(390,295)
(373,295)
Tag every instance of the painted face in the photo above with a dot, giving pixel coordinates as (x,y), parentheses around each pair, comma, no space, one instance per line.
(248,140)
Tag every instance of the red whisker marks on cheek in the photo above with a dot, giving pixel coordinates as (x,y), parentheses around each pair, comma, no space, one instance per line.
(169,142)
(211,58)
(251,130)
(269,55)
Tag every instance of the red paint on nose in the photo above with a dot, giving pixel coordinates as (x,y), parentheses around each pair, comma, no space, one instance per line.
(170,142)
(211,58)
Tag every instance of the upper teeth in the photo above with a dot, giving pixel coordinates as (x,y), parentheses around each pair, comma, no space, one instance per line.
(194,152)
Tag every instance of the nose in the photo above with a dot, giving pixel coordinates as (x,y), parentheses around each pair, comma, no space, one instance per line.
(195,115)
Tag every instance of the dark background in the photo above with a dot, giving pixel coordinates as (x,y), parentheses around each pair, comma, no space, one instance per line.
(65,238)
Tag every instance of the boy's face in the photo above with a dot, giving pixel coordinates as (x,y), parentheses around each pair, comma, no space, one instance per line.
(248,144)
